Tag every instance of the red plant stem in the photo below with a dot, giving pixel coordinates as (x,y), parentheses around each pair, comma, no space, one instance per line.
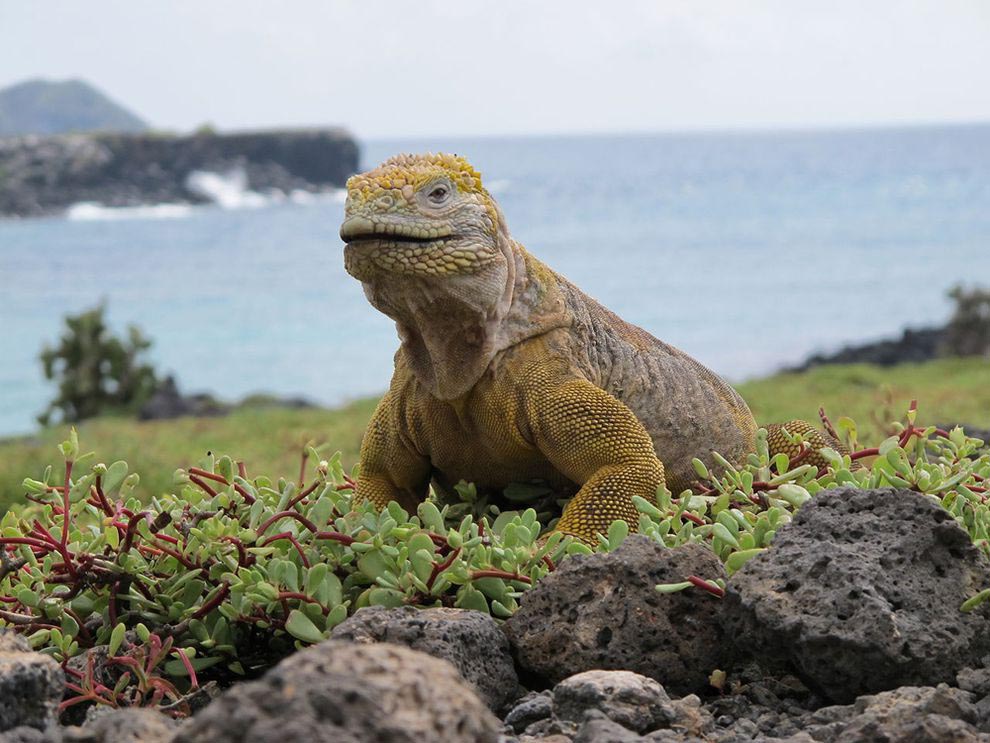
(208,475)
(288,515)
(501,574)
(304,494)
(218,478)
(692,518)
(183,560)
(549,563)
(829,428)
(13,618)
(295,543)
(65,515)
(213,603)
(336,536)
(242,470)
(243,558)
(285,595)
(806,449)
(193,681)
(203,486)
(39,529)
(132,526)
(863,453)
(104,503)
(706,586)
(302,467)
(28,541)
(439,567)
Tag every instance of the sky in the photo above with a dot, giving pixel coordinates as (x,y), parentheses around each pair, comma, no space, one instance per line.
(393,68)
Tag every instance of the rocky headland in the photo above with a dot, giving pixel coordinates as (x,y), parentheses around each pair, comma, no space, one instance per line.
(44,175)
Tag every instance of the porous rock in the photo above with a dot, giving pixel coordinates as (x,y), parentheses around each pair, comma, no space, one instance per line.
(342,692)
(534,707)
(603,611)
(629,699)
(907,714)
(31,685)
(599,728)
(861,593)
(471,640)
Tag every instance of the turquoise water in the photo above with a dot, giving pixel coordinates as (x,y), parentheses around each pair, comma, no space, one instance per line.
(749,251)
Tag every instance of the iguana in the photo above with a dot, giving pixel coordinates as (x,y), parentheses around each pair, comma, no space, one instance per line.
(508,373)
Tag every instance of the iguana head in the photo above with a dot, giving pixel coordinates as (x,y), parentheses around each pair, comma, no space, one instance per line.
(419,215)
(431,248)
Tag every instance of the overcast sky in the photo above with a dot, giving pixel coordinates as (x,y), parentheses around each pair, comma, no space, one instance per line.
(450,67)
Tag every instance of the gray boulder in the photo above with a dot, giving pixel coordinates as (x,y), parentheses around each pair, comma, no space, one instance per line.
(534,707)
(861,593)
(31,685)
(603,611)
(341,692)
(472,642)
(905,715)
(633,701)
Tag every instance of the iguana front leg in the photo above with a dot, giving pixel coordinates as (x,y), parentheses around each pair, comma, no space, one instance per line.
(595,440)
(391,469)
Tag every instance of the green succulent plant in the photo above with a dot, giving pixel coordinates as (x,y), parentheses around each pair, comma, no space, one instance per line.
(227,573)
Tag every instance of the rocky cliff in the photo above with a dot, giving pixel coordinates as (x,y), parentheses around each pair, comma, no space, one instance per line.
(42,175)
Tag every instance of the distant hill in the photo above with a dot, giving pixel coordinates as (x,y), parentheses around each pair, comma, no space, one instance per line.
(45,107)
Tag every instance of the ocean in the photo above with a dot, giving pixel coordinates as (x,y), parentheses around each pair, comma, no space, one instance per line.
(747,250)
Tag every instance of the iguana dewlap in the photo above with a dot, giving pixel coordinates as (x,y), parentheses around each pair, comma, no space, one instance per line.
(507,372)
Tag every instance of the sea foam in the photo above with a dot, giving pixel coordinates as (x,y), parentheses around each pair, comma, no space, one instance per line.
(225,190)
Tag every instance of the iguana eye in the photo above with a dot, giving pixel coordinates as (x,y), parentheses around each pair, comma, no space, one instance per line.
(438,194)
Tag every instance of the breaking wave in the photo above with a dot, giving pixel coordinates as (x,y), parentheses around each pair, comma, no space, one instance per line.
(224,190)
(89,211)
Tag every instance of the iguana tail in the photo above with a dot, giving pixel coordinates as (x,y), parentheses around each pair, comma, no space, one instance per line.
(777,442)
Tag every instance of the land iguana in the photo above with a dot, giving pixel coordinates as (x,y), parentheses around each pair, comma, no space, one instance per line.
(508,373)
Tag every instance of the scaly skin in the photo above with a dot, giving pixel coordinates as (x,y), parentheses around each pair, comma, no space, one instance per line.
(507,372)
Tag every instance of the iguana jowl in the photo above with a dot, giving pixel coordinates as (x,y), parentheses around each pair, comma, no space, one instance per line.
(507,372)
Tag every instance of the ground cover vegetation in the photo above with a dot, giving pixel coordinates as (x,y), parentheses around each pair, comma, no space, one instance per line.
(227,572)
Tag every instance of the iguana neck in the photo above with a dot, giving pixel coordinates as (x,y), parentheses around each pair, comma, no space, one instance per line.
(449,338)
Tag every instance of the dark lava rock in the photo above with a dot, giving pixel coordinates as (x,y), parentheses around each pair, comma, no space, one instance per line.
(534,707)
(31,685)
(861,593)
(472,642)
(167,402)
(602,611)
(914,345)
(634,701)
(908,714)
(343,692)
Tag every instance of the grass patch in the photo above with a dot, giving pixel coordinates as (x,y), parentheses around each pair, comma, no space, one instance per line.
(267,439)
(947,391)
(270,440)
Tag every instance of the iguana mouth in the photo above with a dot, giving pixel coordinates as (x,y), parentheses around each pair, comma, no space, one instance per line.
(361,229)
